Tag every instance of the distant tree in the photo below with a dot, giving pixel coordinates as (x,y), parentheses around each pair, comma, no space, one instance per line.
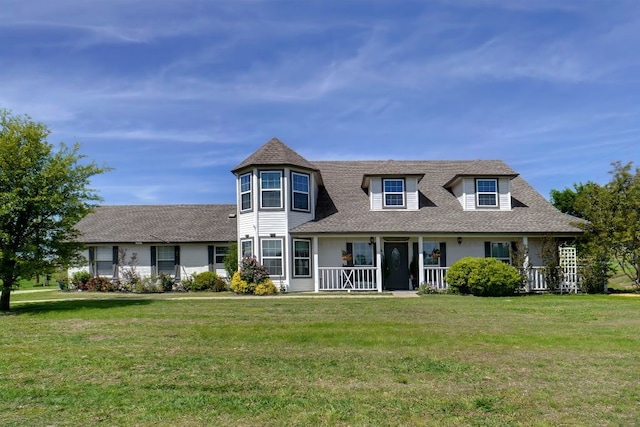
(231,260)
(43,194)
(612,212)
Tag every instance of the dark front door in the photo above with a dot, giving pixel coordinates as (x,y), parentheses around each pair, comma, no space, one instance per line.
(396,268)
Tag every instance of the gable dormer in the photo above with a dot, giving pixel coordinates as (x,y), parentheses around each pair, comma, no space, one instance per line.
(392,191)
(482,192)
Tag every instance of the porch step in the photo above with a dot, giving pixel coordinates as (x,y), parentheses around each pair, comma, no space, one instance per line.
(404,294)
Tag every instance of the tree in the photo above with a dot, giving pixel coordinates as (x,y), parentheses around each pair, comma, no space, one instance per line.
(565,200)
(613,215)
(43,194)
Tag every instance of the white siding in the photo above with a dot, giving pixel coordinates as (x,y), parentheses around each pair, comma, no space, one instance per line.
(330,251)
(272,222)
(375,193)
(194,259)
(300,285)
(458,191)
(246,223)
(469,194)
(504,194)
(411,191)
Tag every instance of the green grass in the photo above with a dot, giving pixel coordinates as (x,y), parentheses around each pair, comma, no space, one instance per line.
(283,361)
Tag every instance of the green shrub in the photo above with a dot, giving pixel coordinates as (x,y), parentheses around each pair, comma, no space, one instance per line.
(204,281)
(100,284)
(79,280)
(265,287)
(231,260)
(486,277)
(240,286)
(427,289)
(148,285)
(166,281)
(252,271)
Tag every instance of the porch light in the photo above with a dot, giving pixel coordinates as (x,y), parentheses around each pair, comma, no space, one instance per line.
(459,240)
(371,240)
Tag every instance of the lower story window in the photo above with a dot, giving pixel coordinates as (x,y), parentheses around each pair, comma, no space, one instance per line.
(431,253)
(165,263)
(500,250)
(221,254)
(246,248)
(272,256)
(104,261)
(362,254)
(302,258)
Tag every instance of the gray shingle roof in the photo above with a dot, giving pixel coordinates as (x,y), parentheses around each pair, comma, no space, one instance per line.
(159,224)
(274,152)
(343,207)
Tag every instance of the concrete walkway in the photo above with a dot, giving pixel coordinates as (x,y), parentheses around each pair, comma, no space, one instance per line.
(405,294)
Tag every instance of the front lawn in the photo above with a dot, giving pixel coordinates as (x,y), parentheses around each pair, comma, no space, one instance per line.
(282,361)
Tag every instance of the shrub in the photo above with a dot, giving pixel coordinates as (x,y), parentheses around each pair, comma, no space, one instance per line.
(252,271)
(166,281)
(100,284)
(148,285)
(265,287)
(240,286)
(594,275)
(483,277)
(426,289)
(231,260)
(79,280)
(206,281)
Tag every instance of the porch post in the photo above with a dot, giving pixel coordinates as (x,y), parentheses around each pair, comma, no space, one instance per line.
(316,268)
(420,262)
(525,262)
(379,263)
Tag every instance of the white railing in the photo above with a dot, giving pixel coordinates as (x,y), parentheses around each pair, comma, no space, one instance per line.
(435,277)
(348,279)
(536,281)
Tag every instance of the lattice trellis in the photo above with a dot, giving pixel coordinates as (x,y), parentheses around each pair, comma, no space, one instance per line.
(569,267)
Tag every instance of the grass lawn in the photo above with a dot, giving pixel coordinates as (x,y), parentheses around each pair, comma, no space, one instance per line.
(284,361)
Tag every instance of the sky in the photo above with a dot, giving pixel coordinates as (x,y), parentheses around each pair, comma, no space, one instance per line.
(173,94)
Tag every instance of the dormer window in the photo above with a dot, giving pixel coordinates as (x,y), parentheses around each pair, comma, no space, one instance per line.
(245,192)
(487,193)
(271,189)
(300,192)
(393,193)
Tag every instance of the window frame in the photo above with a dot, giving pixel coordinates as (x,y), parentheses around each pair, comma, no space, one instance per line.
(386,193)
(216,254)
(242,251)
(306,193)
(249,192)
(264,190)
(296,258)
(486,193)
(172,251)
(280,257)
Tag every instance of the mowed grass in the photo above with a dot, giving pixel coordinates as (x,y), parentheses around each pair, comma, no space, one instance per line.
(286,361)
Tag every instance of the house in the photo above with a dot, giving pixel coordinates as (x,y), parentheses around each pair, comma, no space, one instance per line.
(339,225)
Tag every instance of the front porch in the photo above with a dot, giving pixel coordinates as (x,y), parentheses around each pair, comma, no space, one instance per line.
(367,279)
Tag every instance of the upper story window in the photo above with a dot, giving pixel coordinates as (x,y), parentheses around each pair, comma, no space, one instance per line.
(300,191)
(487,192)
(245,192)
(271,189)
(393,193)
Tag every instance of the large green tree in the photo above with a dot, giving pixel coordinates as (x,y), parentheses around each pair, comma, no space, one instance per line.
(612,212)
(565,200)
(44,192)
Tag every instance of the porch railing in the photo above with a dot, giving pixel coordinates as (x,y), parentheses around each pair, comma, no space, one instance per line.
(348,279)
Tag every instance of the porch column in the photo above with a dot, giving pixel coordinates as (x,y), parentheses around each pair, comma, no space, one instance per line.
(525,243)
(316,268)
(420,262)
(379,263)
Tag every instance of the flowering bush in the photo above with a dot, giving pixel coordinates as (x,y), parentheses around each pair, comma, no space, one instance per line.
(265,288)
(252,278)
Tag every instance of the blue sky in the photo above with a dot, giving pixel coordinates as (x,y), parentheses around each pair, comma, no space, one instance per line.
(174,94)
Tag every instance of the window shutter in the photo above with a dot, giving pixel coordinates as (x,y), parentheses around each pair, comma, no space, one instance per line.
(176,261)
(92,258)
(487,249)
(443,254)
(114,258)
(210,257)
(350,251)
(154,269)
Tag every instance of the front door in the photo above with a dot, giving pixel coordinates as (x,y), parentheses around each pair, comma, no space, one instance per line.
(396,266)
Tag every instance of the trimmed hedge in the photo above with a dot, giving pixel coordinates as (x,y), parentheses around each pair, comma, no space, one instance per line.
(486,277)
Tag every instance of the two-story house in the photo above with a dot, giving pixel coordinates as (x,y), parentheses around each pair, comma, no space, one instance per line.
(338,225)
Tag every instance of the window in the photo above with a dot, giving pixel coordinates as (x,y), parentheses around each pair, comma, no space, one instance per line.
(271,189)
(272,256)
(245,192)
(221,254)
(431,253)
(393,192)
(300,191)
(487,192)
(362,254)
(301,258)
(165,262)
(104,261)
(246,248)
(501,251)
